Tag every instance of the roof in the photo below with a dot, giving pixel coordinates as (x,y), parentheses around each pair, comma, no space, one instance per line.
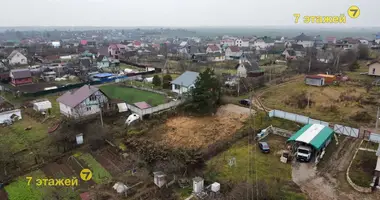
(298,47)
(214,48)
(43,104)
(314,76)
(142,105)
(303,37)
(326,75)
(102,75)
(21,73)
(314,134)
(13,53)
(373,62)
(249,66)
(72,99)
(291,52)
(103,51)
(83,42)
(186,79)
(234,48)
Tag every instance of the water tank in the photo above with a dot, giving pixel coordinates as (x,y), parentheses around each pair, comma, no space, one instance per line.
(197,185)
(215,187)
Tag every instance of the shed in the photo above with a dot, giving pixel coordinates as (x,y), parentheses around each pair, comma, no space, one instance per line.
(315,135)
(42,106)
(314,80)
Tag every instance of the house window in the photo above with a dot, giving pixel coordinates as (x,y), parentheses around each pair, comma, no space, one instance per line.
(92,98)
(88,108)
(177,87)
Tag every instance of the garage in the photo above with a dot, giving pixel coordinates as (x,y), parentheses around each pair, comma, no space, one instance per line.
(309,143)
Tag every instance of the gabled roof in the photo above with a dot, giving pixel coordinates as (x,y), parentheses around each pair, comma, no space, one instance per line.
(303,37)
(186,79)
(13,53)
(249,66)
(73,99)
(103,51)
(21,73)
(100,58)
(234,49)
(214,48)
(373,62)
(298,47)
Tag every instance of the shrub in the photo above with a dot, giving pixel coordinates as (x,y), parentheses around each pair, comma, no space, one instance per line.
(156,80)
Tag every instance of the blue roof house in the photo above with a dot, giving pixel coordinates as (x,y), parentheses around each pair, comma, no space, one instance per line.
(185,82)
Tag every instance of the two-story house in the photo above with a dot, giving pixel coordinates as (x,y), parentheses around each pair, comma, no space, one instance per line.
(20,77)
(233,52)
(17,58)
(304,40)
(242,42)
(85,101)
(115,50)
(102,61)
(247,68)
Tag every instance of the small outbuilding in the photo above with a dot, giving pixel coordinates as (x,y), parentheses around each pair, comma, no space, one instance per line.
(42,106)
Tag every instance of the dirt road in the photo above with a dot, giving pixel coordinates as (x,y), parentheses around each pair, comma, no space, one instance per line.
(329,182)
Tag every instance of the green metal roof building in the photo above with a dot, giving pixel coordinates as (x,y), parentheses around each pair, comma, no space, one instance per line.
(315,135)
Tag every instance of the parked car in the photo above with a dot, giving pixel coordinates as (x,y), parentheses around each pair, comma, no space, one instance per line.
(245,102)
(264,147)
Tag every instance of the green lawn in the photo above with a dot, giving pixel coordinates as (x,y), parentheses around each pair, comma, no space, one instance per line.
(362,168)
(17,138)
(132,95)
(264,167)
(99,174)
(20,190)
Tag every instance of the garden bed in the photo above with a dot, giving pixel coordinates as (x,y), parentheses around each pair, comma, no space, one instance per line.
(99,174)
(362,168)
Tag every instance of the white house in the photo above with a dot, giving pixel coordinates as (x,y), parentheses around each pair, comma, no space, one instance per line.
(185,82)
(374,68)
(17,58)
(213,49)
(304,40)
(227,42)
(260,44)
(85,101)
(56,44)
(233,52)
(242,42)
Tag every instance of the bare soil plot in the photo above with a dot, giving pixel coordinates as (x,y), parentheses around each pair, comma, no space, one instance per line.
(198,132)
(329,103)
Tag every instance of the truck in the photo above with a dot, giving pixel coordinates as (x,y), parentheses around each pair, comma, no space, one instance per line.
(303,153)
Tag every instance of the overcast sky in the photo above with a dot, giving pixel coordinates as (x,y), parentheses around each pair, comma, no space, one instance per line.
(179,13)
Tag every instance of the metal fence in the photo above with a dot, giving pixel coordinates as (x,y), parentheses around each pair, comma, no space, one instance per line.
(142,112)
(296,117)
(345,130)
(374,137)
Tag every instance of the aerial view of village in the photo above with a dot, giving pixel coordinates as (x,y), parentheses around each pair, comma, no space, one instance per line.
(189,101)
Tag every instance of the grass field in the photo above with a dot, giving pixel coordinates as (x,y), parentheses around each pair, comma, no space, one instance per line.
(132,95)
(20,190)
(266,167)
(99,174)
(17,139)
(362,168)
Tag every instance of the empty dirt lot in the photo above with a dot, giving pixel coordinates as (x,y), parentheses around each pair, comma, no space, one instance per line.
(198,132)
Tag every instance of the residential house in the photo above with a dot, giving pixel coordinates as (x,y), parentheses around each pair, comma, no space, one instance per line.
(242,42)
(304,40)
(102,61)
(299,49)
(348,43)
(227,42)
(374,68)
(20,77)
(363,41)
(233,52)
(213,49)
(185,82)
(115,50)
(17,58)
(377,38)
(49,75)
(247,68)
(85,101)
(289,54)
(330,40)
(325,56)
(216,57)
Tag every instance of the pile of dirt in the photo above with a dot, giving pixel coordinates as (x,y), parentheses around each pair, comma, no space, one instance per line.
(199,132)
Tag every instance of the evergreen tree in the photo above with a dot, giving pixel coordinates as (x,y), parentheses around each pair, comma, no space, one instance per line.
(166,81)
(156,80)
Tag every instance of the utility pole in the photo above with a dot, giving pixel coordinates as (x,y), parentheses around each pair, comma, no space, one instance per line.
(100,109)
(377,117)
